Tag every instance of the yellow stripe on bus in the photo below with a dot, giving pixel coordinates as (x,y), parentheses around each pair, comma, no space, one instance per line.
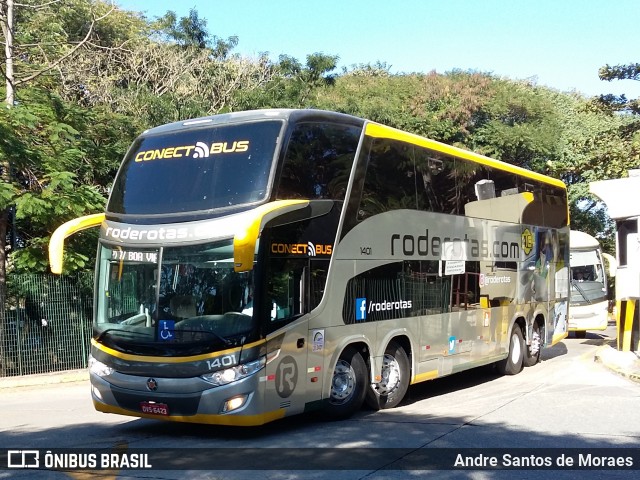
(423,377)
(211,419)
(558,337)
(244,242)
(154,359)
(381,131)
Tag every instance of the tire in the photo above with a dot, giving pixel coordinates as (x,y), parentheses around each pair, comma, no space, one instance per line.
(512,365)
(390,391)
(348,385)
(532,351)
(580,333)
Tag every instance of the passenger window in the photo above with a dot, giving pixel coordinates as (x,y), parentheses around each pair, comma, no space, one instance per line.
(390,181)
(318,161)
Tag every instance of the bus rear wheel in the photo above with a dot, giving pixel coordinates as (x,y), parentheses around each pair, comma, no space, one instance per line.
(347,385)
(514,361)
(532,351)
(394,382)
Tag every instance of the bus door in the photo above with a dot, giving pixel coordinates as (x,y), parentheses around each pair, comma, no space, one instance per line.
(286,370)
(286,297)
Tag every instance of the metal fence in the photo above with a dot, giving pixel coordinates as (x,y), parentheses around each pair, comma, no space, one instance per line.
(47,323)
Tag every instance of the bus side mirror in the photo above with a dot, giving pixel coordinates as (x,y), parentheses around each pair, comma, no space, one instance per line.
(56,244)
(610,264)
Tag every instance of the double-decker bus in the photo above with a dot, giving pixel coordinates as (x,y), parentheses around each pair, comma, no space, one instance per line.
(256,265)
(589,297)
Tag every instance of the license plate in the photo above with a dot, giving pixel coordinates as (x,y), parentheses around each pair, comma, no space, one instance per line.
(154,408)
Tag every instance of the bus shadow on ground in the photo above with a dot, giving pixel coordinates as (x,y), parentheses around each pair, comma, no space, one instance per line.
(558,350)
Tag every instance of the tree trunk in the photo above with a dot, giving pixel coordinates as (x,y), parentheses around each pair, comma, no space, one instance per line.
(4,220)
(6,19)
(7,29)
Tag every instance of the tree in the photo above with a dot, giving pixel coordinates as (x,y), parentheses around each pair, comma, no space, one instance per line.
(606,144)
(591,148)
(163,70)
(620,72)
(290,84)
(519,124)
(38,39)
(191,31)
(63,157)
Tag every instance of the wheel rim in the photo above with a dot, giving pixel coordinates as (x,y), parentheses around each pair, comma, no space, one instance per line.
(343,383)
(534,348)
(515,350)
(390,375)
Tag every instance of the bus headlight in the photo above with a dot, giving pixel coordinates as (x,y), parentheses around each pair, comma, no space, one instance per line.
(98,368)
(233,374)
(234,403)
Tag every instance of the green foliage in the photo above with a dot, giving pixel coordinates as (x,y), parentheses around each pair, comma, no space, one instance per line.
(619,103)
(7,194)
(521,126)
(191,31)
(620,72)
(44,140)
(292,85)
(513,122)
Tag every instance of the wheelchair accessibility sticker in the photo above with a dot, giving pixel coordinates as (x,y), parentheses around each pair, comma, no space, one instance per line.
(166,330)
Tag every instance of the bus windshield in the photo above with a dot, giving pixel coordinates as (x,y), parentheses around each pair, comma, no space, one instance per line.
(587,277)
(196,169)
(173,300)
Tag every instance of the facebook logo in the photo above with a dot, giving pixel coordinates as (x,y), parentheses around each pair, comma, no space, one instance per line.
(361,308)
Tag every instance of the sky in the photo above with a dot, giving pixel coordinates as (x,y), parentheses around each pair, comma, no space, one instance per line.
(560,44)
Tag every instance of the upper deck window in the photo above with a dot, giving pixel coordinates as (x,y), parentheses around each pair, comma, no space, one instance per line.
(196,169)
(318,161)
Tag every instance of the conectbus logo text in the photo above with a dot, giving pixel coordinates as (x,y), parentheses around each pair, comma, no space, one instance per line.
(308,248)
(199,150)
(458,248)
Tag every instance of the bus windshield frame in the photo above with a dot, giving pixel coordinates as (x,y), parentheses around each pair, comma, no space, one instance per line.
(588,280)
(173,300)
(196,169)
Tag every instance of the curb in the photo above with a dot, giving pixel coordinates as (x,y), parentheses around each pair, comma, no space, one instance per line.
(68,376)
(626,364)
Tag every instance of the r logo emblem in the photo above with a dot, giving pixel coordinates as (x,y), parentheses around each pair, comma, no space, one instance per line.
(286,376)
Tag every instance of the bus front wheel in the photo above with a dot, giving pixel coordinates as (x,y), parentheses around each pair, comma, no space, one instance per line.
(514,361)
(347,385)
(394,379)
(532,351)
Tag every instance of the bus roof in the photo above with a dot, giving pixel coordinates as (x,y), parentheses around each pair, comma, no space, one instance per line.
(256,115)
(372,129)
(383,131)
(581,240)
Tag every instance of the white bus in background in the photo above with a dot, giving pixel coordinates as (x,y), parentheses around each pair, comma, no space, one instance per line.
(589,304)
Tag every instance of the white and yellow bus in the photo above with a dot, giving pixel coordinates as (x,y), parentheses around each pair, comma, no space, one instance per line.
(256,265)
(589,298)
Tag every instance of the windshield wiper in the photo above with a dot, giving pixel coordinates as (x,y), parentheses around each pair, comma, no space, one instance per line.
(120,330)
(224,340)
(579,288)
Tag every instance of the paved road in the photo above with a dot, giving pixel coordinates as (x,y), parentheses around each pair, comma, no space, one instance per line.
(567,401)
